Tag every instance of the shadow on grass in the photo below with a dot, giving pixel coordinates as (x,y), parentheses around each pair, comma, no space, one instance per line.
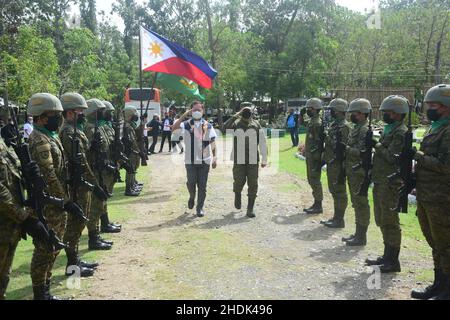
(292,219)
(226,220)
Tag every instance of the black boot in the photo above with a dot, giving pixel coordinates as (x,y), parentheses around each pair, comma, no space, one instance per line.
(130,192)
(315,209)
(335,224)
(90,265)
(250,206)
(237,200)
(360,238)
(431,290)
(200,212)
(444,293)
(106,241)
(349,238)
(73,260)
(96,244)
(39,292)
(378,261)
(47,294)
(391,262)
(106,226)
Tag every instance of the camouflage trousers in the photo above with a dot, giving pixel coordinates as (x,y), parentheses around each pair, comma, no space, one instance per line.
(359,203)
(337,190)
(96,210)
(110,181)
(7,251)
(75,226)
(385,197)
(313,175)
(135,161)
(434,219)
(246,173)
(43,259)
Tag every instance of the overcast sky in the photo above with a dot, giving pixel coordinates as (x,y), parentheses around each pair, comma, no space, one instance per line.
(356,5)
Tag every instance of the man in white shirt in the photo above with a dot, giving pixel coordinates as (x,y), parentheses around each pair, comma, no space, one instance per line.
(166,131)
(200,153)
(28,128)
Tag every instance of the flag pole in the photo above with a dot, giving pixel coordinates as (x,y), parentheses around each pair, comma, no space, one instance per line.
(140,70)
(151,91)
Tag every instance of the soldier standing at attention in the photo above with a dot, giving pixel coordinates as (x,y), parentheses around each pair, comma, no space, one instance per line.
(338,133)
(248,138)
(385,194)
(199,137)
(74,104)
(433,190)
(313,153)
(96,156)
(110,177)
(46,149)
(131,118)
(360,110)
(14,218)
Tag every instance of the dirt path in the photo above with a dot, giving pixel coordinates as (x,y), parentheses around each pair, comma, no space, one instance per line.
(165,252)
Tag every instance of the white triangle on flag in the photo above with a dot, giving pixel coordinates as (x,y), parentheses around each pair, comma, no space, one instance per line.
(153,49)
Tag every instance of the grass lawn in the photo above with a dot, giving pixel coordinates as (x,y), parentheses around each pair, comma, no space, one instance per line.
(20,284)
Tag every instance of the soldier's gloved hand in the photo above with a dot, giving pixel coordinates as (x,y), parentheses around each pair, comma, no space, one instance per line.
(74,209)
(36,229)
(31,171)
(100,193)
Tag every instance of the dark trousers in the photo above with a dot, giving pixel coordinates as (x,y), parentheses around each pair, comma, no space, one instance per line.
(294,136)
(197,179)
(154,142)
(166,135)
(146,144)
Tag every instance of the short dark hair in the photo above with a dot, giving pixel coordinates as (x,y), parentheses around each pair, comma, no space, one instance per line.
(195,103)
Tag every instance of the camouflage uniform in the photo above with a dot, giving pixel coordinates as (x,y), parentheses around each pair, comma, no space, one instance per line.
(46,149)
(131,151)
(355,145)
(246,166)
(313,154)
(12,214)
(334,166)
(385,194)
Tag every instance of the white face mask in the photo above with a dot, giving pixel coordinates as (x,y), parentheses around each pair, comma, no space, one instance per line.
(197,115)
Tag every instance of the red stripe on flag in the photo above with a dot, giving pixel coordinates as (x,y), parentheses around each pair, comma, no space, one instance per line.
(182,68)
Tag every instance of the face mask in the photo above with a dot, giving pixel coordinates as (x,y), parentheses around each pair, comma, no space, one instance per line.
(433,114)
(81,119)
(246,114)
(310,113)
(135,118)
(354,119)
(53,123)
(108,116)
(197,115)
(387,118)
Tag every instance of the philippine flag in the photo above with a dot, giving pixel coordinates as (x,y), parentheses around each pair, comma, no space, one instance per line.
(161,55)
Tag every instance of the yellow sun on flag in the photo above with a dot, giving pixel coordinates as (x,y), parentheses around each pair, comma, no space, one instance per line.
(156,50)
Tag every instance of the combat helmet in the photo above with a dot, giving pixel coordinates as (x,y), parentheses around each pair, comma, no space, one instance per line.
(439,93)
(396,103)
(339,105)
(314,103)
(72,100)
(93,106)
(43,102)
(361,105)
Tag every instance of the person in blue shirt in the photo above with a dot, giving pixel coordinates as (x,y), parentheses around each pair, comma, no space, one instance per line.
(292,126)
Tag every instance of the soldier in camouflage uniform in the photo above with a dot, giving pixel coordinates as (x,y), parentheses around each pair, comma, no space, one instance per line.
(385,195)
(313,153)
(132,151)
(74,104)
(433,190)
(360,110)
(14,218)
(109,177)
(246,155)
(98,149)
(336,167)
(46,149)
